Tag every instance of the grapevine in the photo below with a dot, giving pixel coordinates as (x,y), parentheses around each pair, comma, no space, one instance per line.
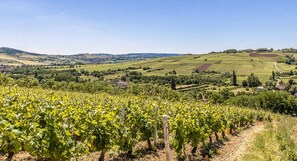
(60,125)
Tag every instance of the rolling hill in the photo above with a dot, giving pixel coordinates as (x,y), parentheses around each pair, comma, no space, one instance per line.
(10,56)
(262,64)
(245,63)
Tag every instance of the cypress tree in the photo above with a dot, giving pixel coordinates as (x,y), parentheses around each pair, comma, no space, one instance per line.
(35,74)
(234,78)
(173,84)
(273,75)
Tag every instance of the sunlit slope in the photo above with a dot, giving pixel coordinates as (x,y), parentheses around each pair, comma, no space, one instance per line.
(21,59)
(243,63)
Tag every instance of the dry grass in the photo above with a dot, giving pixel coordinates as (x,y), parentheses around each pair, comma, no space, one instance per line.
(275,143)
(19,61)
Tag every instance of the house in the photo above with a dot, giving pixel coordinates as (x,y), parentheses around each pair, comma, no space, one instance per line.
(281,86)
(260,88)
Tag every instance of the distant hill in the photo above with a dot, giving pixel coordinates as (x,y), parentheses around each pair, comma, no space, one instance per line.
(11,51)
(10,56)
(244,62)
(137,55)
(93,54)
(149,55)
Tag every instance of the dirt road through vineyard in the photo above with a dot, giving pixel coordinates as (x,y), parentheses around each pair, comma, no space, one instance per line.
(235,148)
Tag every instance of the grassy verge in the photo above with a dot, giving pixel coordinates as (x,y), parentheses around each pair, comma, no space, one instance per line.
(275,143)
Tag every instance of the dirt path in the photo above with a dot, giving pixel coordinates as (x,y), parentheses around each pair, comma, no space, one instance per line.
(275,65)
(235,148)
(295,134)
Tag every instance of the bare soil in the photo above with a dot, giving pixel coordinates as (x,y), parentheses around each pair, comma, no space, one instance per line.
(235,148)
(295,134)
(203,67)
(262,55)
(227,150)
(21,156)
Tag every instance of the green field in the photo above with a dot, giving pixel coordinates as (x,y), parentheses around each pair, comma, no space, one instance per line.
(242,63)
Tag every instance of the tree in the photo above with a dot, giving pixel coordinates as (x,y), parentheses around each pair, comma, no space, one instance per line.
(76,79)
(245,83)
(231,51)
(35,74)
(270,85)
(234,79)
(64,77)
(293,89)
(273,75)
(226,93)
(253,81)
(262,50)
(173,72)
(291,81)
(216,98)
(173,84)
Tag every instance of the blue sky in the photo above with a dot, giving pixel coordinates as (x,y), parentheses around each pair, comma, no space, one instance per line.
(123,26)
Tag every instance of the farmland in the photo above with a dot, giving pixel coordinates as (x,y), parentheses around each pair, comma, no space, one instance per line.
(59,125)
(92,111)
(51,124)
(148,80)
(108,111)
(224,67)
(242,63)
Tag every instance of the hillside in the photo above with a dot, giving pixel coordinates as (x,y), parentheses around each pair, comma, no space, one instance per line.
(11,51)
(245,63)
(10,56)
(80,126)
(262,64)
(86,116)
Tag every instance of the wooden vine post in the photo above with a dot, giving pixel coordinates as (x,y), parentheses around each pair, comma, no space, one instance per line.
(156,128)
(123,114)
(166,137)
